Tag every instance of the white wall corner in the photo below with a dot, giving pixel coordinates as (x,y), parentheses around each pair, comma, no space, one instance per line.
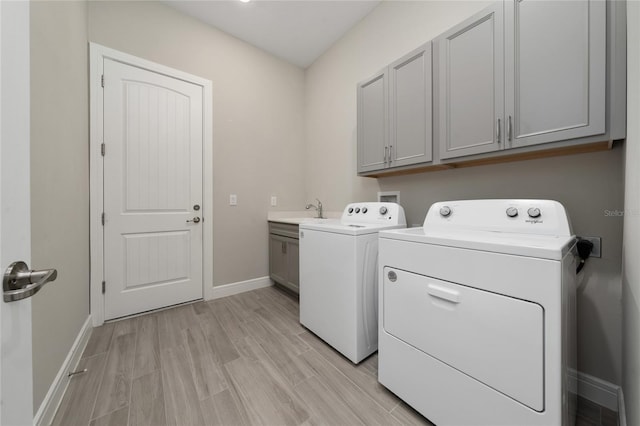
(238,287)
(47,410)
(599,391)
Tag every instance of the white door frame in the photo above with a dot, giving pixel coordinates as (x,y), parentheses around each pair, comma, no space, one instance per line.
(97,54)
(16,367)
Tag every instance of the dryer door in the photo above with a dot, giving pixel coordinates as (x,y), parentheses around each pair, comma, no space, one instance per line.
(495,339)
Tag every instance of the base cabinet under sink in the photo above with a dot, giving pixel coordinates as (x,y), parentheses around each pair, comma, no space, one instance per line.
(284,261)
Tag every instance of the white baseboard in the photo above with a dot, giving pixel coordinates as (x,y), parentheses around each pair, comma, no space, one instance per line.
(239,287)
(52,400)
(622,411)
(599,391)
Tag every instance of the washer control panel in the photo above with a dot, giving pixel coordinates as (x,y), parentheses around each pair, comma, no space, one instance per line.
(544,217)
(374,212)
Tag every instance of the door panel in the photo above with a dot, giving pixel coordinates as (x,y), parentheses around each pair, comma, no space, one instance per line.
(156,258)
(293,263)
(495,339)
(153,180)
(372,119)
(16,367)
(471,79)
(556,73)
(277,258)
(156,155)
(410,112)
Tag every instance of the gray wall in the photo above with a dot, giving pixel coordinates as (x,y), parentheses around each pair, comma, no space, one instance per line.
(631,275)
(59,182)
(257,121)
(586,184)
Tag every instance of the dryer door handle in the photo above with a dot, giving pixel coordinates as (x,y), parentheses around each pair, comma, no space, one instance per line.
(444,293)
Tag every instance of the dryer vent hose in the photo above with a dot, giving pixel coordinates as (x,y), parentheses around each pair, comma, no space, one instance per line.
(584,250)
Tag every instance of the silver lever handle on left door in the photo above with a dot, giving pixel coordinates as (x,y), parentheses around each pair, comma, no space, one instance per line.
(20,282)
(194,220)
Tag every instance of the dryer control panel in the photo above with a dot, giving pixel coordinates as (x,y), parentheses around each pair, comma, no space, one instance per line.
(374,213)
(541,217)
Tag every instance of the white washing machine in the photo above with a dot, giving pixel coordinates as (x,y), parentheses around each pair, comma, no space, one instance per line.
(338,276)
(477,314)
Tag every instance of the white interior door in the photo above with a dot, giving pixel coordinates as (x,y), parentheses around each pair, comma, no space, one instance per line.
(16,384)
(153,193)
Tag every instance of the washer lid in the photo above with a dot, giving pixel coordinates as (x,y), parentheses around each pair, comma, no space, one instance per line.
(530,245)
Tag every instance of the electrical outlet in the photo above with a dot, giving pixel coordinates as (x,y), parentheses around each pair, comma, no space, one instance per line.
(274,201)
(233,200)
(597,241)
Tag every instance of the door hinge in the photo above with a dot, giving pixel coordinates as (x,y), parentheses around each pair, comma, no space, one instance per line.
(103,286)
(103,149)
(102,80)
(102,218)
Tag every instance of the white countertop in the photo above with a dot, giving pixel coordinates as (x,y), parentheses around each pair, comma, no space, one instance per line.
(298,217)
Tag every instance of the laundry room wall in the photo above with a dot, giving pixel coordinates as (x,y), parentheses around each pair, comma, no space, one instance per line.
(59,182)
(588,185)
(257,121)
(631,277)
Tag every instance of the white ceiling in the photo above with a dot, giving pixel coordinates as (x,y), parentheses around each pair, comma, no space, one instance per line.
(298,31)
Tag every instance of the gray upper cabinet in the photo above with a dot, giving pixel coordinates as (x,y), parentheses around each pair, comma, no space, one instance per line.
(470,82)
(555,73)
(410,99)
(520,79)
(372,123)
(395,114)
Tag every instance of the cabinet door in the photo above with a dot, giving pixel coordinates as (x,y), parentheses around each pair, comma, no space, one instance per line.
(555,53)
(293,264)
(471,85)
(277,258)
(372,123)
(410,120)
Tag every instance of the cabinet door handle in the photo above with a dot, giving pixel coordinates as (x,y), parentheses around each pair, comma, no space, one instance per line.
(390,154)
(385,155)
(509,129)
(498,131)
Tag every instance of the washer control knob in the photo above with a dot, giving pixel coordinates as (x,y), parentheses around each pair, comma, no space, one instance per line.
(393,277)
(534,212)
(357,209)
(364,210)
(512,212)
(383,210)
(445,211)
(350,210)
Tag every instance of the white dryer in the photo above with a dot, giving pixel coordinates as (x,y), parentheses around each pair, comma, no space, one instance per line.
(477,314)
(338,276)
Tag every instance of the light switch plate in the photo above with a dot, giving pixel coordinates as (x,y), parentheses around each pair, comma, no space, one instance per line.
(274,201)
(233,200)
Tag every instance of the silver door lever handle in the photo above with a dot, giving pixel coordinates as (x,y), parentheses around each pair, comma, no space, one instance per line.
(194,220)
(20,282)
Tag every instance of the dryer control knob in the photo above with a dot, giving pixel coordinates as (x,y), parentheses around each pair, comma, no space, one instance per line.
(445,211)
(383,210)
(364,210)
(357,209)
(350,209)
(534,212)
(512,212)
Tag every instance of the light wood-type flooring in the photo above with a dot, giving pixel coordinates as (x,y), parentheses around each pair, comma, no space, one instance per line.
(240,360)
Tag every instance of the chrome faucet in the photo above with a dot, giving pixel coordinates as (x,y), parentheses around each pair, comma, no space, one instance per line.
(318,208)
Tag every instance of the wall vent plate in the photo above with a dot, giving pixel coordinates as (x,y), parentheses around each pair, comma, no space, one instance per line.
(389,197)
